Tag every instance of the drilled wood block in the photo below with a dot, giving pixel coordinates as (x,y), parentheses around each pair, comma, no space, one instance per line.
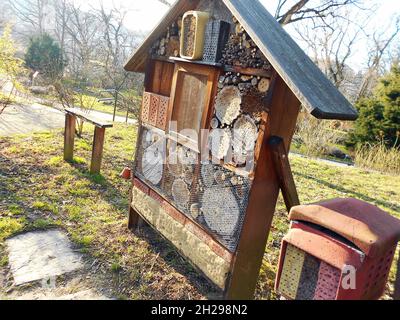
(154,103)
(328,282)
(162,112)
(291,271)
(145,107)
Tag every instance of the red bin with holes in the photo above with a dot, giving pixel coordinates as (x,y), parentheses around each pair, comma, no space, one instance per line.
(340,249)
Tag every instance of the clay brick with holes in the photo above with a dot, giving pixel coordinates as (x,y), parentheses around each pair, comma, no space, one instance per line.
(145,107)
(340,249)
(162,112)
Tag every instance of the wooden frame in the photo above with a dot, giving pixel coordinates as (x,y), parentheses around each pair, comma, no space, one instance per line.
(212,75)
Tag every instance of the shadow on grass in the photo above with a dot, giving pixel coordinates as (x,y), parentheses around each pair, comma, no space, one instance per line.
(353,193)
(171,256)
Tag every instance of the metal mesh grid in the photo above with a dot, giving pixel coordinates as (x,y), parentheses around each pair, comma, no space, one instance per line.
(216,36)
(213,196)
(309,278)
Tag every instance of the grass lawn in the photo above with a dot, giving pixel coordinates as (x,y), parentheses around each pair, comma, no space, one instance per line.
(38,190)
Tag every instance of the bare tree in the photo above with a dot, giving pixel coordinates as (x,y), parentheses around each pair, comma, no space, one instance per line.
(289,11)
(32,12)
(331,45)
(380,43)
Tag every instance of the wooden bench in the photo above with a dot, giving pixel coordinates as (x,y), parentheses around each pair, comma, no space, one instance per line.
(98,141)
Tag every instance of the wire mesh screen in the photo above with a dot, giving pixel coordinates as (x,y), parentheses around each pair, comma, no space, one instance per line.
(213,196)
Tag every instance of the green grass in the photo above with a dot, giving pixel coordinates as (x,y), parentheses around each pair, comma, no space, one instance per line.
(93,209)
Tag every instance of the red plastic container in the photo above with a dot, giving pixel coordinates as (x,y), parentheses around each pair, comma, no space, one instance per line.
(340,249)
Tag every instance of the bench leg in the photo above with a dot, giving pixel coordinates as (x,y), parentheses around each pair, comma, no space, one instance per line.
(69,136)
(97,151)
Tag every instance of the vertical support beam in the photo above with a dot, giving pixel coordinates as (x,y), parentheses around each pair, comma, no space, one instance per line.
(69,136)
(97,150)
(396,293)
(284,108)
(284,172)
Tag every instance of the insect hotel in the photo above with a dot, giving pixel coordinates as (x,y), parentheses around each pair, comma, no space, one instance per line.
(222,91)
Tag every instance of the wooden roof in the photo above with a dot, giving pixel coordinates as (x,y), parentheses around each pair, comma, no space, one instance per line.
(318,95)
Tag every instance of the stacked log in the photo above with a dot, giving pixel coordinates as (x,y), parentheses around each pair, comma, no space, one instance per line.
(168,44)
(242,51)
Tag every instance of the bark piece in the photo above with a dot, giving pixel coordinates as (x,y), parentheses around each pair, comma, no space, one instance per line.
(227,104)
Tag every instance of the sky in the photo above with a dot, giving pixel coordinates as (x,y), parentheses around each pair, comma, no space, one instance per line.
(144,15)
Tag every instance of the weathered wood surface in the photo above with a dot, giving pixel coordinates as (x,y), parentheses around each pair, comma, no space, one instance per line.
(69,136)
(93,120)
(303,77)
(97,150)
(284,172)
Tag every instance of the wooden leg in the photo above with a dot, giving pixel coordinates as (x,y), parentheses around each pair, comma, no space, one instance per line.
(284,173)
(97,151)
(69,136)
(134,220)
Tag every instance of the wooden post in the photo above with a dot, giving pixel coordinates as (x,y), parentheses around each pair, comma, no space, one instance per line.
(115,103)
(69,136)
(284,108)
(97,151)
(284,173)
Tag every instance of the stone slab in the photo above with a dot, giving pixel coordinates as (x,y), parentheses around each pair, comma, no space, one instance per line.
(41,255)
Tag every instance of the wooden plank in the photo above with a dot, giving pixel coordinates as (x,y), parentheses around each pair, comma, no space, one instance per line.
(284,172)
(248,71)
(97,151)
(92,119)
(284,108)
(303,77)
(69,136)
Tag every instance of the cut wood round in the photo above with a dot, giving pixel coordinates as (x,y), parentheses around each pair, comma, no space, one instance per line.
(263,85)
(227,104)
(220,210)
(152,164)
(180,193)
(244,137)
(214,124)
(219,142)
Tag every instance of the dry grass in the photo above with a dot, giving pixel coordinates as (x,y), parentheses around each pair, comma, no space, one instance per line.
(378,157)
